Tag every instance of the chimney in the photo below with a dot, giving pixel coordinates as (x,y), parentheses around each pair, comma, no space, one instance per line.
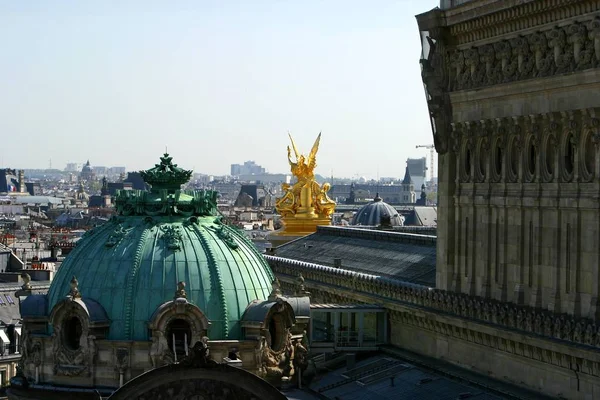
(337,262)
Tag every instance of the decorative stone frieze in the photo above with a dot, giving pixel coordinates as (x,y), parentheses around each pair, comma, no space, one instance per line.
(548,52)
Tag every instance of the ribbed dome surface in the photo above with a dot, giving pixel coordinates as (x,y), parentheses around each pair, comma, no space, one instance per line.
(133,263)
(372,213)
(139,273)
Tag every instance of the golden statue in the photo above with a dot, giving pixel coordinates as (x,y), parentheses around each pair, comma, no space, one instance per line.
(305,204)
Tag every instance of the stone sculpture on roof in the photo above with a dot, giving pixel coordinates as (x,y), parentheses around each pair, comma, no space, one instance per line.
(305,204)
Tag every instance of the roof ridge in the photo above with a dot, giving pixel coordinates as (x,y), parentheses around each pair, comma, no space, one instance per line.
(402,237)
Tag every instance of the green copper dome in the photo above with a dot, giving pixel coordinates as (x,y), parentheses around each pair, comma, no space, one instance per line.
(133,263)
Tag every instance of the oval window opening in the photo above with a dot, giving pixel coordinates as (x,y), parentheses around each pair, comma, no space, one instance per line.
(514,158)
(590,154)
(72,331)
(482,161)
(532,158)
(468,162)
(569,155)
(498,161)
(549,157)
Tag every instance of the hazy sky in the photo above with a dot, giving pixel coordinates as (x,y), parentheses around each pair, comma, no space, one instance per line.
(218,82)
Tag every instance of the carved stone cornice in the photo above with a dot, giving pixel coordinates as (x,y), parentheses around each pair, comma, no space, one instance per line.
(504,17)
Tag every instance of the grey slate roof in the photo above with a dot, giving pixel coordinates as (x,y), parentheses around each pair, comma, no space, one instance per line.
(404,256)
(9,303)
(410,382)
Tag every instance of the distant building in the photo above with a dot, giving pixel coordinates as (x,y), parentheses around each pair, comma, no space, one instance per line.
(34,188)
(136,181)
(265,178)
(72,167)
(100,170)
(418,170)
(248,168)
(253,196)
(116,170)
(87,173)
(9,182)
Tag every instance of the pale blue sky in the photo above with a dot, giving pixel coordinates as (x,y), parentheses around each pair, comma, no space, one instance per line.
(218,82)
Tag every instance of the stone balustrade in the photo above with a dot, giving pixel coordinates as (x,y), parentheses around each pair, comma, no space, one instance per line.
(508,315)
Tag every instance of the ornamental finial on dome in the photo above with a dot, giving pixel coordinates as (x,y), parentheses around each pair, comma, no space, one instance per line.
(166,175)
(276,290)
(74,293)
(180,292)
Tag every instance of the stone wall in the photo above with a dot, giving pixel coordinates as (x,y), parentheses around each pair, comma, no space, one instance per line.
(555,354)
(512,88)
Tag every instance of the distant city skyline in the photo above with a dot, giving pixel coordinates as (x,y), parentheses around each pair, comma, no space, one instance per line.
(217,82)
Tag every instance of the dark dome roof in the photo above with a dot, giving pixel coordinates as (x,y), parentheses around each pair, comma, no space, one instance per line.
(372,213)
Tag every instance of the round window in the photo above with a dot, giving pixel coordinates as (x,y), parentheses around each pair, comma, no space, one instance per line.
(72,331)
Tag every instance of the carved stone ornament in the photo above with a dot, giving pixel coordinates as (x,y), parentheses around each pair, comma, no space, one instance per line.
(159,353)
(180,292)
(223,232)
(74,292)
(276,290)
(116,236)
(434,76)
(199,356)
(276,365)
(558,50)
(121,360)
(172,237)
(26,281)
(71,362)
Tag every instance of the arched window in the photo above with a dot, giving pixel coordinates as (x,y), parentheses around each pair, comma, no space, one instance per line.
(179,336)
(72,331)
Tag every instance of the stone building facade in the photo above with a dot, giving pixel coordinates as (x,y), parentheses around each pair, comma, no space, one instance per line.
(512,89)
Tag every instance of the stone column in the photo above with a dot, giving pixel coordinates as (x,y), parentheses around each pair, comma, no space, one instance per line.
(519,286)
(594,125)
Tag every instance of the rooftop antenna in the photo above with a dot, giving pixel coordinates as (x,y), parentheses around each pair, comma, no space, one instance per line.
(378,178)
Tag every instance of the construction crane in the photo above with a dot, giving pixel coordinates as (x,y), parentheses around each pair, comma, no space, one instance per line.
(431,152)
